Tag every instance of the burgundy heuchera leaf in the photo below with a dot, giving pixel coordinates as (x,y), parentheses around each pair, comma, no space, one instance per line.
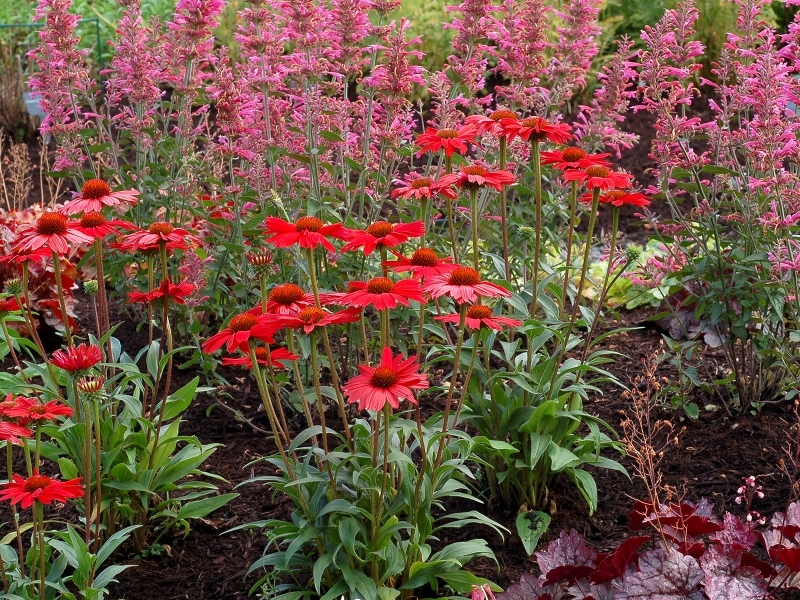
(727,579)
(567,551)
(662,576)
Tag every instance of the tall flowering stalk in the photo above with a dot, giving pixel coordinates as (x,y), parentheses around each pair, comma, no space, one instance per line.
(62,83)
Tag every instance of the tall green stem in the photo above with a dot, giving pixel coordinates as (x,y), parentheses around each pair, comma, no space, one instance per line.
(462,319)
(61,301)
(537,181)
(504,209)
(573,211)
(473,207)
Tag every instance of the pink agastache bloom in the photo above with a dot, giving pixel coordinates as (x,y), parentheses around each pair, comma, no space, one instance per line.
(132,85)
(395,75)
(786,258)
(574,49)
(520,35)
(61,82)
(667,70)
(469,44)
(307,28)
(237,107)
(597,126)
(349,27)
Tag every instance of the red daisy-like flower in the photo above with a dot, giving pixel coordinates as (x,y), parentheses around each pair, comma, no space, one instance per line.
(573,158)
(423,263)
(464,285)
(476,176)
(30,409)
(420,188)
(392,380)
(13,433)
(382,293)
(95,196)
(41,489)
(158,233)
(383,233)
(52,230)
(9,403)
(276,358)
(19,255)
(480,315)
(307,232)
(449,140)
(240,329)
(8,305)
(95,225)
(287,298)
(312,317)
(77,359)
(177,292)
(536,129)
(619,198)
(490,123)
(599,177)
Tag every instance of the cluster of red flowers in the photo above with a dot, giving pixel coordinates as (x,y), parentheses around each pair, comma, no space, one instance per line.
(17,416)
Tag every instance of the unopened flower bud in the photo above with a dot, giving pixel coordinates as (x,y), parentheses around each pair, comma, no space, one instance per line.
(14,287)
(633,253)
(90,287)
(92,387)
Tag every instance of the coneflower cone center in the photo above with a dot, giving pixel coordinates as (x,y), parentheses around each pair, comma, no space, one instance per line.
(38,409)
(261,354)
(614,194)
(573,154)
(161,228)
(380,285)
(383,378)
(597,171)
(312,314)
(308,224)
(420,183)
(532,122)
(92,219)
(464,276)
(502,114)
(479,311)
(380,229)
(51,224)
(94,189)
(286,294)
(447,134)
(474,170)
(242,322)
(424,257)
(37,482)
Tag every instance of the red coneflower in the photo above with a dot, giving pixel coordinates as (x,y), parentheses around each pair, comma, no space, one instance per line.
(480,315)
(307,232)
(619,198)
(599,177)
(19,255)
(287,298)
(312,317)
(95,225)
(476,176)
(41,489)
(13,433)
(174,238)
(464,285)
(382,293)
(95,196)
(573,158)
(278,357)
(239,331)
(77,359)
(176,292)
(536,129)
(423,263)
(383,233)
(449,140)
(391,381)
(425,188)
(8,305)
(490,123)
(52,230)
(30,409)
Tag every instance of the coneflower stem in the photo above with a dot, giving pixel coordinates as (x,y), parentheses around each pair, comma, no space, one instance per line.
(504,209)
(473,206)
(61,302)
(573,211)
(462,319)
